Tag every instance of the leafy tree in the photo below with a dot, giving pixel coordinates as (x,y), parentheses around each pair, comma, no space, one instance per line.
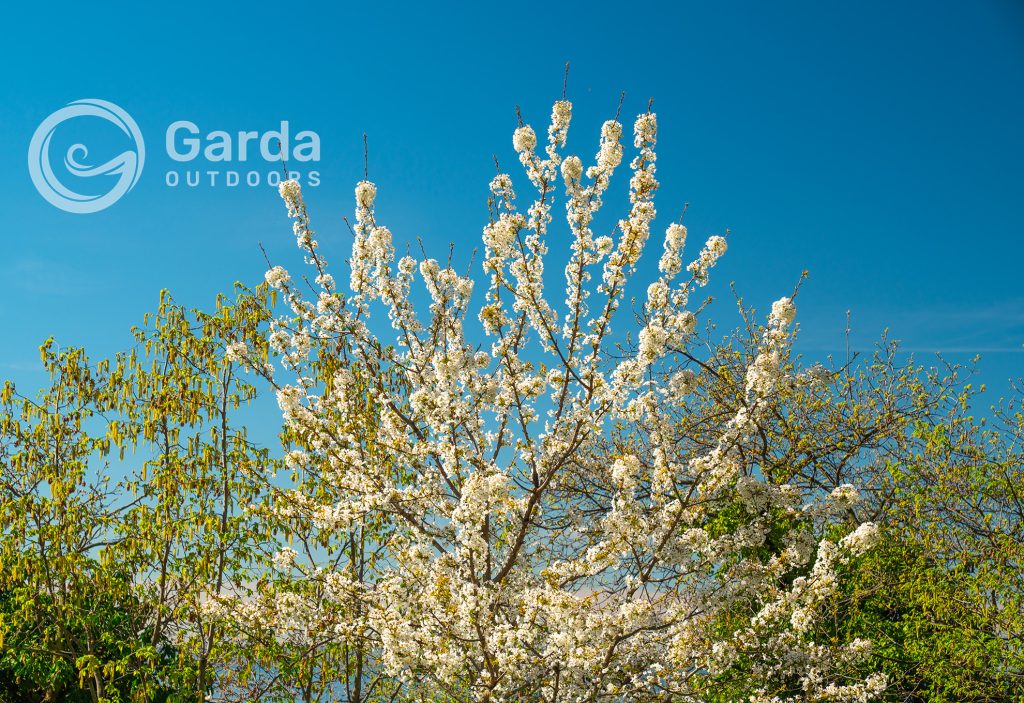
(70,618)
(105,580)
(940,599)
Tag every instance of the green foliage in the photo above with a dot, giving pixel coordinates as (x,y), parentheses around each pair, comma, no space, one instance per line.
(941,598)
(42,637)
(104,583)
(930,631)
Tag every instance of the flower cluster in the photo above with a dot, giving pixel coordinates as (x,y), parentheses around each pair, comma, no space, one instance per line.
(547,532)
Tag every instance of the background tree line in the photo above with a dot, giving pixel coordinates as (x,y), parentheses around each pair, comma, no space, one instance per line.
(132,497)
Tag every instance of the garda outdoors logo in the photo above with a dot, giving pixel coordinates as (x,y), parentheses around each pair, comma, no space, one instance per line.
(126,166)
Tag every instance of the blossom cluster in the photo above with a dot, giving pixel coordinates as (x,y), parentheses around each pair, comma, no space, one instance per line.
(548,534)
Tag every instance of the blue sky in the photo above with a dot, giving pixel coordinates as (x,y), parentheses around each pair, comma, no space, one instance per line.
(876,144)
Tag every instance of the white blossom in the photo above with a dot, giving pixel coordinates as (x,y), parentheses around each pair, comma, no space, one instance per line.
(285,559)
(544,520)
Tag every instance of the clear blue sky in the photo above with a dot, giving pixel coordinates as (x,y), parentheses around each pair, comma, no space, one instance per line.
(878,145)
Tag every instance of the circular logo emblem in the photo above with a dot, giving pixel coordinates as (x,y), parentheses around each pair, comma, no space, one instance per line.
(127,166)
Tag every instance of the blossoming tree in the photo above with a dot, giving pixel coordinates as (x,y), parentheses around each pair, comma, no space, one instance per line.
(541,530)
